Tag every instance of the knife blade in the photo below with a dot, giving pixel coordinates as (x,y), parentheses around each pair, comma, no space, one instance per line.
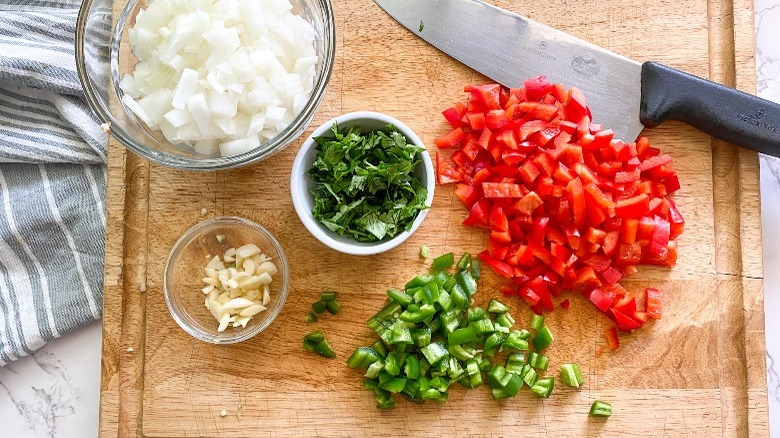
(623,95)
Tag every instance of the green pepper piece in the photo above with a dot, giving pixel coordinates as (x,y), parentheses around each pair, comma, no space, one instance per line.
(395,385)
(505,320)
(315,337)
(308,346)
(499,393)
(373,370)
(318,306)
(462,335)
(423,251)
(600,409)
(379,347)
(459,297)
(515,362)
(419,281)
(494,340)
(538,361)
(483,326)
(495,306)
(362,357)
(324,350)
(430,394)
(449,283)
(495,375)
(412,391)
(445,302)
(425,311)
(311,317)
(543,387)
(441,278)
(459,352)
(401,334)
(543,339)
(454,370)
(432,290)
(477,313)
(530,376)
(412,367)
(434,352)
(400,297)
(464,262)
(443,261)
(467,282)
(421,336)
(440,384)
(328,296)
(475,269)
(393,363)
(388,313)
(513,385)
(569,375)
(514,341)
(537,322)
(450,321)
(332,307)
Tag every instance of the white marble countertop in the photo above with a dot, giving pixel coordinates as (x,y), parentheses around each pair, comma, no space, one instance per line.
(55,392)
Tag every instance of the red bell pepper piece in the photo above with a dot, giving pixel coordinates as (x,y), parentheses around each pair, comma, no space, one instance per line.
(445,173)
(537,87)
(624,323)
(565,304)
(653,162)
(450,139)
(487,95)
(467,194)
(501,190)
(600,299)
(478,215)
(612,338)
(496,119)
(660,239)
(634,207)
(455,114)
(653,303)
(499,267)
(625,305)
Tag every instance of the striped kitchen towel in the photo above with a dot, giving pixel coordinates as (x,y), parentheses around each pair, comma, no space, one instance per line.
(52,181)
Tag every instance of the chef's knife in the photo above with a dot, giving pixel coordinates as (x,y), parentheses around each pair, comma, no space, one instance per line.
(622,94)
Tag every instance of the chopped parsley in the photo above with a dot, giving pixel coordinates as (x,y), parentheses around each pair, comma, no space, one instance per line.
(365,186)
(422,25)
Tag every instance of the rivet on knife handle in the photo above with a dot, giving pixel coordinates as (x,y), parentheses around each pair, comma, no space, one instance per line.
(725,113)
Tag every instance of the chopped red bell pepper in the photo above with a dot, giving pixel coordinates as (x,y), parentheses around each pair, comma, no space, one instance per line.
(567,205)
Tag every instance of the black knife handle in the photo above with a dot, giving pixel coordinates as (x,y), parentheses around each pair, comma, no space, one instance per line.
(725,113)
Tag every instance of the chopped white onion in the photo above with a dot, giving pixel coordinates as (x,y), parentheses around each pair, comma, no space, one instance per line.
(220,75)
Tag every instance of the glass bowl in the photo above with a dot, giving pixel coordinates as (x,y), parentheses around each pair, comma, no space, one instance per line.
(182,278)
(103,55)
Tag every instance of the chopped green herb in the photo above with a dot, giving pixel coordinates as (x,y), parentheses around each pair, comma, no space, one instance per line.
(422,25)
(365,183)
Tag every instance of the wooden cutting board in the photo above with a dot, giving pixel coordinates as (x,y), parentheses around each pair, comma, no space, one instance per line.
(700,371)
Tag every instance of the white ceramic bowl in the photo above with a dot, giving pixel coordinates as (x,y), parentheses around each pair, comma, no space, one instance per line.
(301,183)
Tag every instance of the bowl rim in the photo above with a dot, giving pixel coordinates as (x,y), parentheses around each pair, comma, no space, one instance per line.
(141,148)
(298,174)
(243,335)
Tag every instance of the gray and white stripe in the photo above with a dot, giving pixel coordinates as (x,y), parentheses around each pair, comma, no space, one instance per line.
(52,181)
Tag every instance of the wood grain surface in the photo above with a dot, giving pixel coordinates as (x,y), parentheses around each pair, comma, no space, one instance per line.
(700,371)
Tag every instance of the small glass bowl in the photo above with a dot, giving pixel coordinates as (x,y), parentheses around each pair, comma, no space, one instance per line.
(102,58)
(182,278)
